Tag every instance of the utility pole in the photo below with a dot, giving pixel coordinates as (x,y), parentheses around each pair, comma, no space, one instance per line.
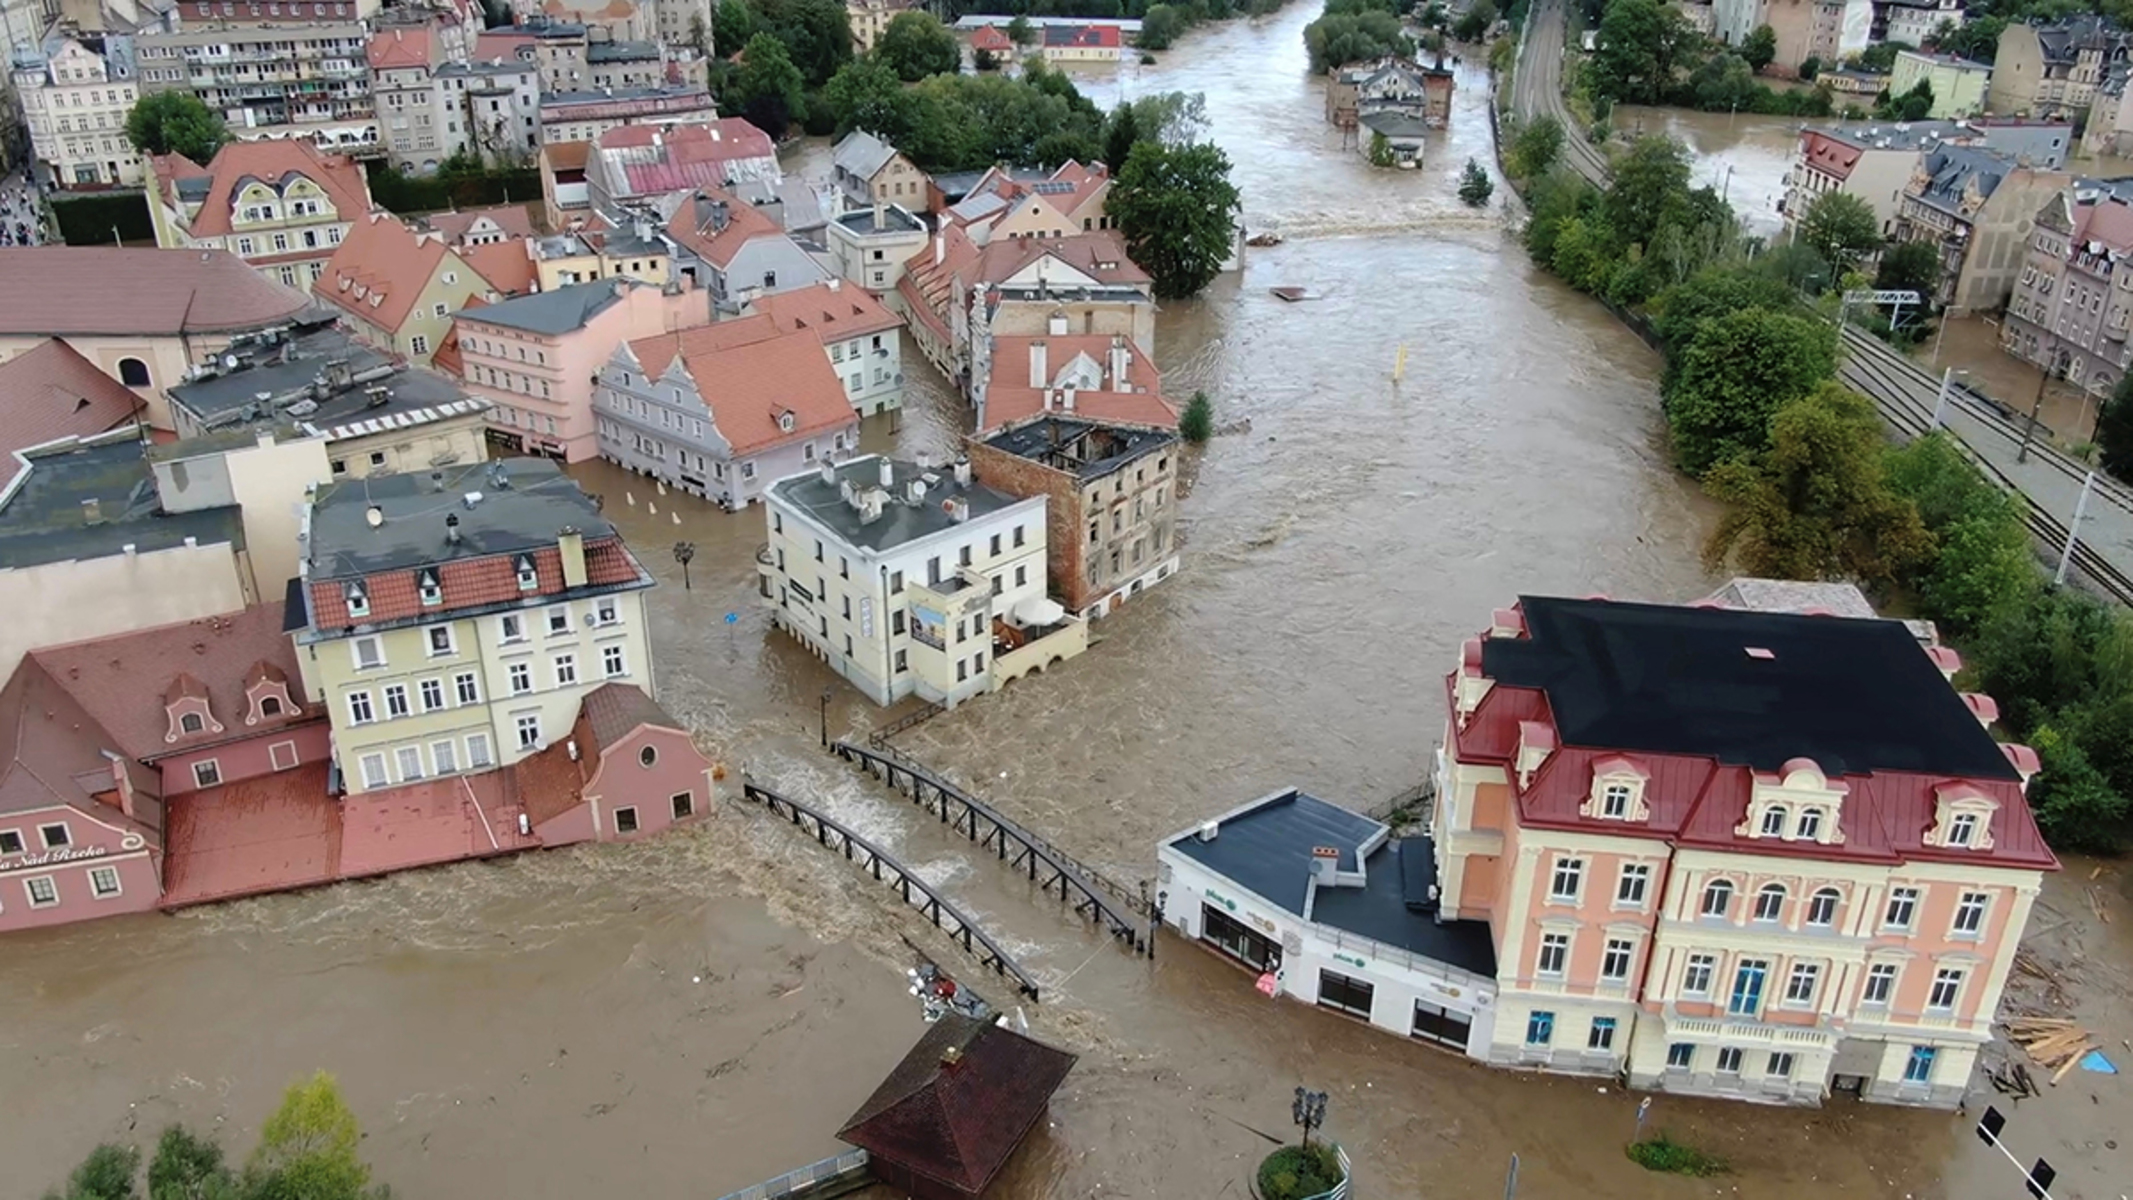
(2029,432)
(2073,529)
(1947,391)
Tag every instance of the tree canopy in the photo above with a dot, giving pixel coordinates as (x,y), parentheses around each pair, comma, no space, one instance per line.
(176,123)
(1760,47)
(1738,370)
(816,34)
(1355,31)
(1841,228)
(1536,147)
(1177,211)
(915,44)
(970,122)
(766,88)
(1641,43)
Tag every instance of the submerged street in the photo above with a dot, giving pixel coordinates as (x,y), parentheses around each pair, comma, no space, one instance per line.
(689,1015)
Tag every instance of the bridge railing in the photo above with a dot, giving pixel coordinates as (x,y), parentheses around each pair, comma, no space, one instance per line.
(849,1164)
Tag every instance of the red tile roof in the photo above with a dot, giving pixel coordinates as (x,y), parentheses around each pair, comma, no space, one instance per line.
(513,219)
(989,37)
(273,162)
(50,392)
(57,291)
(749,375)
(489,44)
(1100,255)
(566,156)
(958,1121)
(1828,155)
(380,270)
(714,224)
(1011,397)
(613,711)
(507,266)
(269,833)
(831,310)
(124,681)
(468,583)
(401,47)
(655,159)
(52,754)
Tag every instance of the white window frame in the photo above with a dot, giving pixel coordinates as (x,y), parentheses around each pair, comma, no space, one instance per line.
(519,677)
(1802,976)
(510,628)
(381,777)
(355,652)
(614,661)
(1570,869)
(1973,906)
(406,706)
(1557,944)
(444,757)
(423,689)
(1723,887)
(1764,896)
(214,766)
(1697,974)
(464,682)
(564,669)
(480,754)
(274,756)
(1946,990)
(97,890)
(558,619)
(400,757)
(429,639)
(1886,974)
(51,887)
(1617,949)
(523,724)
(1906,899)
(1632,885)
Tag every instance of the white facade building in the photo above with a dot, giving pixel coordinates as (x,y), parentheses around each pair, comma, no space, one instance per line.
(893,573)
(1328,908)
(75,102)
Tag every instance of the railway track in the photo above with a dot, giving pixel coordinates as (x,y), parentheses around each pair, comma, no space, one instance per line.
(1906,401)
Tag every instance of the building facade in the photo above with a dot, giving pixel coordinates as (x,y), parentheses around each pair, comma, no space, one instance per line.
(2053,70)
(910,580)
(573,115)
(397,288)
(736,252)
(74,101)
(722,411)
(299,72)
(862,340)
(1959,85)
(2072,307)
(870,246)
(1110,502)
(534,358)
(1976,206)
(282,206)
(1733,897)
(450,637)
(869,171)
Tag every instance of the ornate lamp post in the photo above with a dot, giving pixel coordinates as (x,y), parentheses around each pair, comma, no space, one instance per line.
(1309,1111)
(683,552)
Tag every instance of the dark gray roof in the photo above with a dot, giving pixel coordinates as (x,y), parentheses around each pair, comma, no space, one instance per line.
(610,95)
(862,154)
(606,52)
(1266,850)
(1395,124)
(1949,170)
(1751,688)
(893,220)
(899,522)
(1087,448)
(556,312)
(311,380)
(525,503)
(541,27)
(43,519)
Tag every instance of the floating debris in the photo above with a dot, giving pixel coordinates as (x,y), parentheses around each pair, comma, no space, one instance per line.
(1293,294)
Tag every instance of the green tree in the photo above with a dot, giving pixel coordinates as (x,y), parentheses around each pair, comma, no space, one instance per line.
(817,35)
(1816,504)
(1170,118)
(1737,371)
(175,123)
(984,60)
(915,44)
(1914,105)
(1641,42)
(2076,807)
(865,94)
(1841,227)
(1475,187)
(1198,423)
(1020,31)
(732,24)
(767,88)
(1910,267)
(1880,57)
(1177,210)
(1760,47)
(1536,147)
(1649,182)
(1473,25)
(1380,153)
(307,1149)
(107,1174)
(187,1167)
(1680,311)
(1124,134)
(1350,33)
(1810,67)
(2114,432)
(1160,27)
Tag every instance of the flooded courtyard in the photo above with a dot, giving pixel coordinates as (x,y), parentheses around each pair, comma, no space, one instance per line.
(689,1015)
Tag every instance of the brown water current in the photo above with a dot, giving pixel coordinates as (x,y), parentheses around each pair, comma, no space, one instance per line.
(692,1014)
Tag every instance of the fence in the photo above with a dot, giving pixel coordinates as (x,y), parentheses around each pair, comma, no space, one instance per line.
(809,1180)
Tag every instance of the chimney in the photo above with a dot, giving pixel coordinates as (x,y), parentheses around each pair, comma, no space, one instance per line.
(958,511)
(835,284)
(92,511)
(1325,861)
(1121,360)
(888,472)
(881,215)
(572,545)
(951,1058)
(829,473)
(1038,375)
(940,248)
(451,529)
(124,782)
(962,472)
(1057,325)
(1066,398)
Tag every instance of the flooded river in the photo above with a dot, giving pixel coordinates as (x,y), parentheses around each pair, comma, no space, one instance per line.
(690,1015)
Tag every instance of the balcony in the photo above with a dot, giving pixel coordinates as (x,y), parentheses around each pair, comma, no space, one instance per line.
(1735,1031)
(1030,648)
(766,576)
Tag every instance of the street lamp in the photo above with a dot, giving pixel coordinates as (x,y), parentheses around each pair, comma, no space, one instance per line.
(683,552)
(825,718)
(1309,1111)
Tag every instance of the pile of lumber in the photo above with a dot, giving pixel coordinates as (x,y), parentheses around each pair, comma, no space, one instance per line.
(2052,1042)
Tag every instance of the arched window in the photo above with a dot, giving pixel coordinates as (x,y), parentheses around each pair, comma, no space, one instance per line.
(191,723)
(1773,821)
(1770,902)
(270,706)
(1822,907)
(133,372)
(1717,898)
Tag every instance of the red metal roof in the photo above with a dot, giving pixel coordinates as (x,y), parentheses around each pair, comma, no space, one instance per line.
(467,583)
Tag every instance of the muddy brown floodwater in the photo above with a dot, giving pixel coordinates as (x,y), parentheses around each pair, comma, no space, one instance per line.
(692,1014)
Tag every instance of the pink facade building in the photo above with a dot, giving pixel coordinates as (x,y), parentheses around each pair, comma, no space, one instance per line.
(1739,853)
(102,742)
(534,357)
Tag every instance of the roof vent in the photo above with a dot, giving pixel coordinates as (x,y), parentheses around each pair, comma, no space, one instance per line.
(1761,654)
(1207,830)
(471,499)
(374,516)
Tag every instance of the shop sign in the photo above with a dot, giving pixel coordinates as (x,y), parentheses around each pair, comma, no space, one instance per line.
(1265,925)
(53,858)
(1221,899)
(1350,959)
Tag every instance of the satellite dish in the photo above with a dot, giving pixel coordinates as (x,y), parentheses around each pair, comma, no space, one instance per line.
(374,516)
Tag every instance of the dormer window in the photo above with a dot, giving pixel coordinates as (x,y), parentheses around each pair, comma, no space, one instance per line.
(1962,830)
(358,602)
(1809,825)
(528,578)
(1963,818)
(1773,821)
(1797,803)
(431,591)
(1614,800)
(785,422)
(1617,792)
(191,722)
